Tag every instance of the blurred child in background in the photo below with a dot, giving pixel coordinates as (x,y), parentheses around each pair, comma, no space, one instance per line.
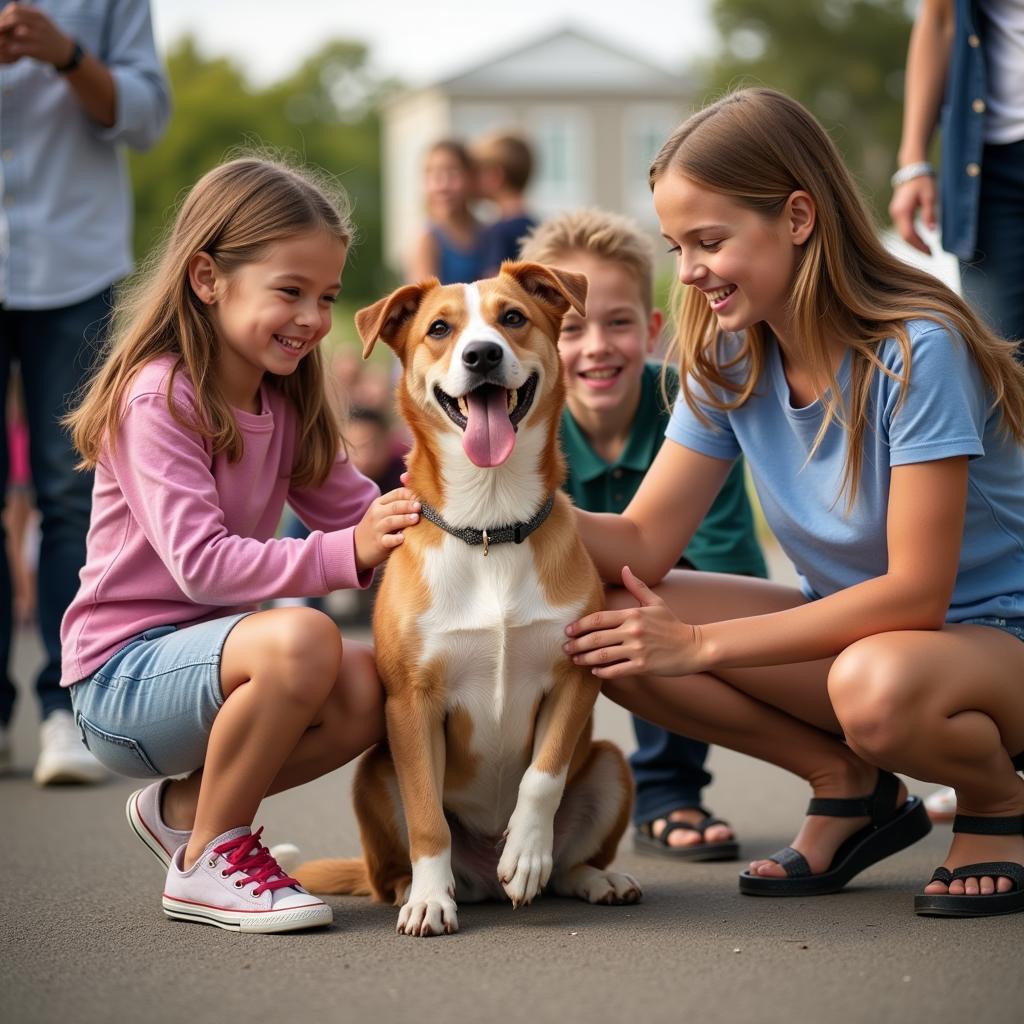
(448,248)
(504,167)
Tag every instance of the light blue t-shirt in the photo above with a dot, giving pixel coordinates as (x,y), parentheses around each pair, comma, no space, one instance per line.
(945,413)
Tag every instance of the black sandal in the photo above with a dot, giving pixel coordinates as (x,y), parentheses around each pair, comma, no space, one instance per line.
(891,829)
(651,845)
(949,905)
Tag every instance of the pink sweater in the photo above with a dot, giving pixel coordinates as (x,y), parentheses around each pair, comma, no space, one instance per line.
(180,536)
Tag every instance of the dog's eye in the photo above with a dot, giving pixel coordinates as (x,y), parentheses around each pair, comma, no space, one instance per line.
(513,318)
(439,329)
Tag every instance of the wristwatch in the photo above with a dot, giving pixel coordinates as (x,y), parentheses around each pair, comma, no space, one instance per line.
(73,61)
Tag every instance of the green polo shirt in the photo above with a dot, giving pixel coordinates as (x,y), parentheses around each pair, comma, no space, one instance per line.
(724,541)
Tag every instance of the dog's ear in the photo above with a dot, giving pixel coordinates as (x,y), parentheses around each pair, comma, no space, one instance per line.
(386,317)
(559,289)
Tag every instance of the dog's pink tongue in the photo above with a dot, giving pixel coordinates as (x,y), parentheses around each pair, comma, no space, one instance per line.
(488,439)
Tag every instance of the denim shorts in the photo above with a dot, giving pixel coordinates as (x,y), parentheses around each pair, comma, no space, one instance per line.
(1015,627)
(148,711)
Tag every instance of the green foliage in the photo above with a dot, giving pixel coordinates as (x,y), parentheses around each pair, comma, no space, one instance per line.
(843,59)
(324,114)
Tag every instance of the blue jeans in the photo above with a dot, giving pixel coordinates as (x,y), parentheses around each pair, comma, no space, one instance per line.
(993,281)
(668,770)
(56,349)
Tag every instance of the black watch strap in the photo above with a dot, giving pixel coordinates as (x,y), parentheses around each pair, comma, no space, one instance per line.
(73,61)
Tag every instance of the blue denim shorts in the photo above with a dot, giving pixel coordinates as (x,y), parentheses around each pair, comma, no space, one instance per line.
(1015,627)
(148,711)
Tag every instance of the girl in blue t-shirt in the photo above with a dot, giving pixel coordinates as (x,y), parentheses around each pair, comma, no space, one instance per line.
(882,423)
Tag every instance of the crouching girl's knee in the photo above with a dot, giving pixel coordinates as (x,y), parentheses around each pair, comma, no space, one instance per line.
(302,651)
(875,696)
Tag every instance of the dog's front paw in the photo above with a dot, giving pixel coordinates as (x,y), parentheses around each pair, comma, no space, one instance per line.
(525,865)
(432,915)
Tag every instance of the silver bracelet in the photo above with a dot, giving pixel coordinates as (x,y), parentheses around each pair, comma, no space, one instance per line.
(910,172)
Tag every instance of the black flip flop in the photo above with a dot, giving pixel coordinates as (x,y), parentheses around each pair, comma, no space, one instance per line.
(891,829)
(646,843)
(947,905)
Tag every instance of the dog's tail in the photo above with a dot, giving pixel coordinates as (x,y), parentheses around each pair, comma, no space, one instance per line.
(337,876)
(348,877)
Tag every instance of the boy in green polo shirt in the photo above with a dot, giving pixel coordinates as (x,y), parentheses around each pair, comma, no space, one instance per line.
(612,427)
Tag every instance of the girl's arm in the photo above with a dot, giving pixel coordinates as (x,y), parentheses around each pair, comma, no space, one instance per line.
(164,472)
(925,520)
(340,502)
(659,522)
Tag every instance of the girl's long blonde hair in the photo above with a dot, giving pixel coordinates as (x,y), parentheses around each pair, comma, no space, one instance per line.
(758,146)
(234,213)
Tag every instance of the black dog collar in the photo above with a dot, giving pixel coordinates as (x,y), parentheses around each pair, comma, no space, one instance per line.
(514,534)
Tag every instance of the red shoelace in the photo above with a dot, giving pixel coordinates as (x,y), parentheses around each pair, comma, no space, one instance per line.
(247,855)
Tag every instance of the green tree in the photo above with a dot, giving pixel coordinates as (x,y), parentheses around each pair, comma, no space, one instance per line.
(843,59)
(323,114)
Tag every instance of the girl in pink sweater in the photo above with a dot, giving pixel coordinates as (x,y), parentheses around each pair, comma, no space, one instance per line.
(209,413)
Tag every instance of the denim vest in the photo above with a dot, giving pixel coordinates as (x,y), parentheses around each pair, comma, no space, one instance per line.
(963,126)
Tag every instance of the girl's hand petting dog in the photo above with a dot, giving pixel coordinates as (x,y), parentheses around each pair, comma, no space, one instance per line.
(646,640)
(380,530)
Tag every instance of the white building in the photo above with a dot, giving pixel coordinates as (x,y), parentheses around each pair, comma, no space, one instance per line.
(594,114)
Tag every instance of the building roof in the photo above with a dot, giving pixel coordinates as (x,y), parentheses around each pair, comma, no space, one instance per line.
(567,61)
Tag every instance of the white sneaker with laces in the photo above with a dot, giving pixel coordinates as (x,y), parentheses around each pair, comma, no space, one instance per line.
(63,757)
(143,813)
(236,884)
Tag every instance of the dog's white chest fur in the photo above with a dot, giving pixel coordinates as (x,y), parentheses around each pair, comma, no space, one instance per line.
(492,627)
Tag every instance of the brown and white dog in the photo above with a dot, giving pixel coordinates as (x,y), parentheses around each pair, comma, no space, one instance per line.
(489,784)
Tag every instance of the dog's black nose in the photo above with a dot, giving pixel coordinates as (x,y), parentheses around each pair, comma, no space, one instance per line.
(481,356)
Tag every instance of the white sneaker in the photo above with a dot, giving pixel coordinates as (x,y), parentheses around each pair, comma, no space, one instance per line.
(236,884)
(63,756)
(6,759)
(143,813)
(941,805)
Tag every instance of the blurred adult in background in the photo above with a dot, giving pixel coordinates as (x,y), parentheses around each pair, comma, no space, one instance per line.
(77,82)
(448,248)
(966,57)
(970,52)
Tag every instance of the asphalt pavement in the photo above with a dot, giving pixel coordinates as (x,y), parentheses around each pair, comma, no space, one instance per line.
(83,939)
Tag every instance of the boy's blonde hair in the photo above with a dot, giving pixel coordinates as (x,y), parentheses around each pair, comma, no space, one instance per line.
(758,146)
(234,213)
(598,233)
(511,153)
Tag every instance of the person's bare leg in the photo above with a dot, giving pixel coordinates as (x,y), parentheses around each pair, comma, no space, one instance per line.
(277,671)
(780,714)
(944,706)
(351,720)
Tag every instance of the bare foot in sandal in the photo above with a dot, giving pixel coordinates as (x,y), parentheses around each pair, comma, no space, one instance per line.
(983,874)
(842,836)
(821,835)
(688,833)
